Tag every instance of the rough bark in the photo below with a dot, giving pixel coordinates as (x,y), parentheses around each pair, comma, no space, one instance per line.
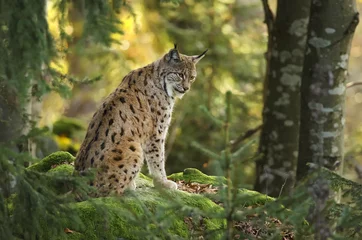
(11,120)
(330,32)
(275,170)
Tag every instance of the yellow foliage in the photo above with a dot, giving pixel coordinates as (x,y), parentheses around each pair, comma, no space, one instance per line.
(63,142)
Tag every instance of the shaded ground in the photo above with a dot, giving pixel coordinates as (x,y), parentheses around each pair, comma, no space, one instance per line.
(251,227)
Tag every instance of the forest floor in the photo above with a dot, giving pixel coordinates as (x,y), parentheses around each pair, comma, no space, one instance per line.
(250,227)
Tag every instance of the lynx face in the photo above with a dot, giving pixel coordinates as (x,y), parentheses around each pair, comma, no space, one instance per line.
(179,72)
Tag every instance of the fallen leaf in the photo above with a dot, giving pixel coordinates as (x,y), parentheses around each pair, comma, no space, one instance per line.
(67,230)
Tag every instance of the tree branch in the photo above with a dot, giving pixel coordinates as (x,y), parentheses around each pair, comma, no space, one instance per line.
(269,17)
(241,138)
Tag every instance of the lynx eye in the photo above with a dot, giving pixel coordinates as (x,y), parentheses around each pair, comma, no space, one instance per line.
(181,75)
(192,78)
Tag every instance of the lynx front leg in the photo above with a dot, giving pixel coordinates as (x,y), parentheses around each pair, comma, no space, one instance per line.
(155,157)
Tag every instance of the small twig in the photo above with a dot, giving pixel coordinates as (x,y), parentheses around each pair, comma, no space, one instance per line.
(244,136)
(269,17)
(352,84)
(281,189)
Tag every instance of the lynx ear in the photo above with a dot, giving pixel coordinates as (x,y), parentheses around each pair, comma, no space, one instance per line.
(173,55)
(196,59)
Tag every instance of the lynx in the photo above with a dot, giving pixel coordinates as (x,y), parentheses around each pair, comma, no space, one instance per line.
(132,123)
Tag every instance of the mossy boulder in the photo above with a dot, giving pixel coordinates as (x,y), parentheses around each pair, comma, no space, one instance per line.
(54,159)
(249,197)
(195,175)
(137,214)
(65,169)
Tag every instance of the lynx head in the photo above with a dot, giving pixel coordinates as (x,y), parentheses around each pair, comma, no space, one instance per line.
(178,72)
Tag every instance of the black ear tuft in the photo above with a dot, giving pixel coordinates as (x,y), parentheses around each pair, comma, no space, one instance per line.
(173,55)
(175,44)
(196,59)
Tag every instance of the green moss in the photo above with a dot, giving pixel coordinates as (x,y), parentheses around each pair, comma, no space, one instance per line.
(195,175)
(245,198)
(249,197)
(56,158)
(143,181)
(71,236)
(141,213)
(252,198)
(65,169)
(138,214)
(9,202)
(147,212)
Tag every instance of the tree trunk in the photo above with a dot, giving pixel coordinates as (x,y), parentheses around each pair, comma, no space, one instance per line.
(11,117)
(75,57)
(275,171)
(330,32)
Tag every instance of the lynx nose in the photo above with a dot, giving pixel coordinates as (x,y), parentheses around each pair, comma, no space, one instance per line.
(186,88)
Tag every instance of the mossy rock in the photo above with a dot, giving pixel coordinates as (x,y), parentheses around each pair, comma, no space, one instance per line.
(146,212)
(53,159)
(65,169)
(133,216)
(250,198)
(195,175)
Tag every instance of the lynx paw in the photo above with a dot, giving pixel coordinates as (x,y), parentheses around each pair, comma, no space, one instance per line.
(170,184)
(132,186)
(165,184)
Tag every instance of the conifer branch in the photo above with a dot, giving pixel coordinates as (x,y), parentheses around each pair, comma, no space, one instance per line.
(216,121)
(206,151)
(244,136)
(243,148)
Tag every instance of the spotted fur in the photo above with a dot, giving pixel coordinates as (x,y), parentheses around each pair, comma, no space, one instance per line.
(132,123)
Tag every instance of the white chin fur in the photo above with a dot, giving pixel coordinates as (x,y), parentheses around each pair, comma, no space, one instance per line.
(171,92)
(179,95)
(169,89)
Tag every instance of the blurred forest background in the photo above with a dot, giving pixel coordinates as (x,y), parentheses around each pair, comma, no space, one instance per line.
(234,33)
(57,64)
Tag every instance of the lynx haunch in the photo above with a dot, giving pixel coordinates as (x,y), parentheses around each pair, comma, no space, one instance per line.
(131,125)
